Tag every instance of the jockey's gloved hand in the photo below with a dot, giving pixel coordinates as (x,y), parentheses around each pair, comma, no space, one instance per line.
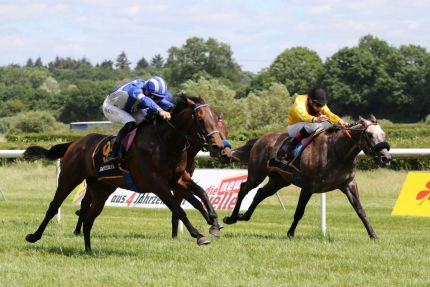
(165,115)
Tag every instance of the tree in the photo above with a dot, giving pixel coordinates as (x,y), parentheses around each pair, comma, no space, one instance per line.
(83,102)
(107,65)
(297,68)
(199,57)
(122,62)
(38,62)
(157,62)
(414,75)
(29,63)
(141,64)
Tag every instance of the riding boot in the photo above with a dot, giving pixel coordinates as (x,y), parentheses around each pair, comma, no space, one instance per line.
(292,142)
(113,156)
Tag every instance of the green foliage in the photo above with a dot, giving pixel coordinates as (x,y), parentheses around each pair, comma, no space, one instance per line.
(198,55)
(32,122)
(377,78)
(122,62)
(297,68)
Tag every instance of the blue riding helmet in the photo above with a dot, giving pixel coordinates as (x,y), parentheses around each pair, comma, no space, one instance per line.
(156,86)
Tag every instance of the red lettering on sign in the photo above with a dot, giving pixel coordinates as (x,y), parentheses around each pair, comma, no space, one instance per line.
(130,199)
(424,195)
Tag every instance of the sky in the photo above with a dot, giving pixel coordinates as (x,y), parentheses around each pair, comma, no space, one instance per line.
(257,31)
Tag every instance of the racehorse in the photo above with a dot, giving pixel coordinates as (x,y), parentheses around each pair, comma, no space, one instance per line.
(156,159)
(326,164)
(185,188)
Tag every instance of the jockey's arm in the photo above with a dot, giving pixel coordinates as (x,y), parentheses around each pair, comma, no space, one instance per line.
(331,116)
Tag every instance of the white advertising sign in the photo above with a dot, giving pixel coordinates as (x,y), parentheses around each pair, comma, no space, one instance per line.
(221,185)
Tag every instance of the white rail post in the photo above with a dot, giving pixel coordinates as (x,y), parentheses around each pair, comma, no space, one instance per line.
(323,214)
(57,170)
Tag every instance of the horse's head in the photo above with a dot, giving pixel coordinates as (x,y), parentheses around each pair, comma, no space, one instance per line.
(204,124)
(372,141)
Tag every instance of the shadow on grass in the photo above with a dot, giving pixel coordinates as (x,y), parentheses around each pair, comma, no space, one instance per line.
(79,252)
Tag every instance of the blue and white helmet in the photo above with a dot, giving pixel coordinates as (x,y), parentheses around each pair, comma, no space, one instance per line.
(156,86)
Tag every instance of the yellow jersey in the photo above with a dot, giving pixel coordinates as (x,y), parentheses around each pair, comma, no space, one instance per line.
(300,112)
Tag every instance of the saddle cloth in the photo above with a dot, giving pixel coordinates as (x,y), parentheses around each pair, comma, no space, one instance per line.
(112,171)
(292,171)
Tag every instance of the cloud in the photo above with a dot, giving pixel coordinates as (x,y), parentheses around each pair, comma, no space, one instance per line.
(257,31)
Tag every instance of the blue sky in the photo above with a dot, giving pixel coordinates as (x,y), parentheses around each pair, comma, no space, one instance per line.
(257,31)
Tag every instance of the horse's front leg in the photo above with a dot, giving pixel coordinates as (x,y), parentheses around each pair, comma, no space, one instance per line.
(163,192)
(351,192)
(215,228)
(304,197)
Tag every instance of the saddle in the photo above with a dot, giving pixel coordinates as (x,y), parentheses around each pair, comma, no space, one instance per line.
(112,171)
(292,171)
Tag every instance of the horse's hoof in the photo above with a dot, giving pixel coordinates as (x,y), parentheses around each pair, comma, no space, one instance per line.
(290,235)
(77,233)
(202,241)
(228,220)
(31,238)
(215,231)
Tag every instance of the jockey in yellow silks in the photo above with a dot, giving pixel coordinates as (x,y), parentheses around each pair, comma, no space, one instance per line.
(308,113)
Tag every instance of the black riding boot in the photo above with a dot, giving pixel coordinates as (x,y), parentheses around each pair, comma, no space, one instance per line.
(113,156)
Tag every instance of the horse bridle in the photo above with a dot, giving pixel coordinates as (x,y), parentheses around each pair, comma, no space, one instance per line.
(372,150)
(204,139)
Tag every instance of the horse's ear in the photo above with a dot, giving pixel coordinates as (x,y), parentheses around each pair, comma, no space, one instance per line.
(361,119)
(219,115)
(190,102)
(373,119)
(202,99)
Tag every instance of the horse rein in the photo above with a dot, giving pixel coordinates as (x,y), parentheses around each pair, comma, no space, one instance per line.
(375,148)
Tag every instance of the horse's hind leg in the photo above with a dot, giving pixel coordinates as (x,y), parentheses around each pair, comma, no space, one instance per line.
(99,194)
(255,177)
(300,210)
(82,212)
(66,184)
(275,183)
(351,192)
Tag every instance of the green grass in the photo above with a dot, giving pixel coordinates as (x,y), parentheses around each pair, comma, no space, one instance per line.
(132,247)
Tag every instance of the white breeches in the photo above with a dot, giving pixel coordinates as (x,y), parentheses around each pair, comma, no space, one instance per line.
(293,130)
(117,115)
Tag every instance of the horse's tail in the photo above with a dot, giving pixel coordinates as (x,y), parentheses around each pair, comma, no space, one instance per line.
(241,154)
(55,152)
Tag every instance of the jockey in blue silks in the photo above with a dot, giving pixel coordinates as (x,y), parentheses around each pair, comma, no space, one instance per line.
(134,102)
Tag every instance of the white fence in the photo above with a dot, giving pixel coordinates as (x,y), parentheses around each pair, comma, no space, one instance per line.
(395,153)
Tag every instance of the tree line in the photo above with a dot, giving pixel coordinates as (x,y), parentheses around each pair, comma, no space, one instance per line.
(372,77)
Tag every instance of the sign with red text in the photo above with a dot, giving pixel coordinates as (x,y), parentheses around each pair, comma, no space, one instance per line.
(414,199)
(221,185)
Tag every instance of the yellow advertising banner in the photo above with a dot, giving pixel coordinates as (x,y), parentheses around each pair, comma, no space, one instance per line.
(414,199)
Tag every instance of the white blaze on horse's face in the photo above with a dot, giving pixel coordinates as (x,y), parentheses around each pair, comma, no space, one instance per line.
(376,139)
(376,134)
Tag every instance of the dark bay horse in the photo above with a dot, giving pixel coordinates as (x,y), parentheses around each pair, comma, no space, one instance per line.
(185,188)
(326,164)
(157,159)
